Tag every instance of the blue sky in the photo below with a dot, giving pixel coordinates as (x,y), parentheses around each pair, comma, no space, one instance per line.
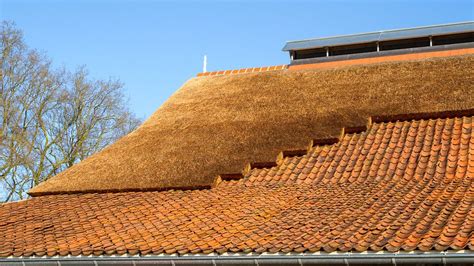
(155,46)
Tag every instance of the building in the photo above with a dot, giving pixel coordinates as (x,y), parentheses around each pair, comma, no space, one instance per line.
(347,155)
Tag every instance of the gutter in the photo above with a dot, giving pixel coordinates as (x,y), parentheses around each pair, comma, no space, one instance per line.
(464,257)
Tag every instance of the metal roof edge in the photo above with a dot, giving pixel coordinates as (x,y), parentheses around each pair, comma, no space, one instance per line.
(379,31)
(374,32)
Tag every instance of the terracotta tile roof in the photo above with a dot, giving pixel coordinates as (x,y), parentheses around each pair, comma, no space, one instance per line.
(242,70)
(403,185)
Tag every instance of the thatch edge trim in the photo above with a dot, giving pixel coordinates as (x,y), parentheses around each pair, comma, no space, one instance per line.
(101,191)
(421,116)
(352,130)
(323,142)
(291,153)
(228,177)
(259,165)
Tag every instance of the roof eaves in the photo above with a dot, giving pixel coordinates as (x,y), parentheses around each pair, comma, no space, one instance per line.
(385,257)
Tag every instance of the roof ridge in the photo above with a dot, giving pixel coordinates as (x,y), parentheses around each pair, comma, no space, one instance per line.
(242,70)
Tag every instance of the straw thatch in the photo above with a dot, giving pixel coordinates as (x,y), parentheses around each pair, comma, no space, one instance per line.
(216,125)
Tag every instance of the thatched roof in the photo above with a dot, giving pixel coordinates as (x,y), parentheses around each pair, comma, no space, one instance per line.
(216,125)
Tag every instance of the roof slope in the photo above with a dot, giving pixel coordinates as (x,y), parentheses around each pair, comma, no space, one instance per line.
(215,125)
(405,185)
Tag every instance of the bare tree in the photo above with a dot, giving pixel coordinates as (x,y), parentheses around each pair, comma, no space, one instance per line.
(51,119)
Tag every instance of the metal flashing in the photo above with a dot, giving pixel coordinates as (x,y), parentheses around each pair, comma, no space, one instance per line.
(379,36)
